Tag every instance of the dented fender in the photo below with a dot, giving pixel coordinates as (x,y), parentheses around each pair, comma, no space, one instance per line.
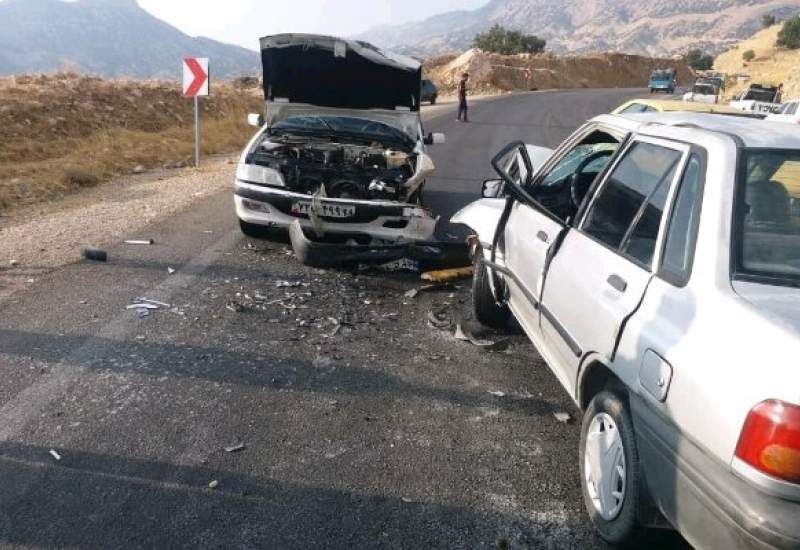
(482,216)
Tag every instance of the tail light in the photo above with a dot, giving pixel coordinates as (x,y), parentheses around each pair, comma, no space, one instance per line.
(770,440)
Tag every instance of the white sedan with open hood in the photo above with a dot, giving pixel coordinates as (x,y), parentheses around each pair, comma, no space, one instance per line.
(341,149)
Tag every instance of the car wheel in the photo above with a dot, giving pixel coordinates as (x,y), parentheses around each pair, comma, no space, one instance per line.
(253,230)
(610,473)
(487,311)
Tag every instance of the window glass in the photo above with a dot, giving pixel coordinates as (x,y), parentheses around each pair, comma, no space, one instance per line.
(571,161)
(627,212)
(791,109)
(679,248)
(769,220)
(634,108)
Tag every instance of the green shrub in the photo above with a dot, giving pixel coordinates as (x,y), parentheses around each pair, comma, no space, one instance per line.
(748,56)
(507,42)
(698,60)
(767,20)
(789,35)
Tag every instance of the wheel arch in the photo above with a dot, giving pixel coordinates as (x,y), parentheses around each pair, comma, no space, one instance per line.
(594,376)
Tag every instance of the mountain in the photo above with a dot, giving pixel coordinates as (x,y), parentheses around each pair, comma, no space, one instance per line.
(112,38)
(648,27)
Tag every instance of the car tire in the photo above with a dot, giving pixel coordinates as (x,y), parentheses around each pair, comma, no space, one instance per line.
(616,519)
(487,311)
(253,230)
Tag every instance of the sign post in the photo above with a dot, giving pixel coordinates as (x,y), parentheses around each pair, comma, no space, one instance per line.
(196,84)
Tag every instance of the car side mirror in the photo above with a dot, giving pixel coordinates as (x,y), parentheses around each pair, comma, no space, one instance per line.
(435,139)
(492,189)
(255,119)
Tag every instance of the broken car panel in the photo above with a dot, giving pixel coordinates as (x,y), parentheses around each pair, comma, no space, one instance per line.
(342,149)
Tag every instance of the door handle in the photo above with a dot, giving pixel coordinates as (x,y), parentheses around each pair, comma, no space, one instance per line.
(618,283)
(542,236)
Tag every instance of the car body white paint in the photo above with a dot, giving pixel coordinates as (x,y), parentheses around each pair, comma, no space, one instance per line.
(788,112)
(730,345)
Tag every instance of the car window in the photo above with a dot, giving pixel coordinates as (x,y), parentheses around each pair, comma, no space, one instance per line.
(649,109)
(634,108)
(570,162)
(791,108)
(676,264)
(768,219)
(626,214)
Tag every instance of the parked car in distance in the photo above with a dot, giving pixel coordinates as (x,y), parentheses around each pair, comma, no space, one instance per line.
(663,80)
(757,98)
(654,261)
(788,112)
(429,91)
(669,105)
(703,92)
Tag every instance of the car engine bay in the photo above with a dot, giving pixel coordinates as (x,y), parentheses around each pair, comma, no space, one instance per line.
(312,166)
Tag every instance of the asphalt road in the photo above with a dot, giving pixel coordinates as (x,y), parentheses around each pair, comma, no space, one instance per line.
(362,425)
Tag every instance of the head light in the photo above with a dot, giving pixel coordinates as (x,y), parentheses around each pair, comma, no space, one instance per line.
(260,175)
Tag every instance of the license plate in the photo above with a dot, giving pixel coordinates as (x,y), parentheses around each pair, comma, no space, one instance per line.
(325,210)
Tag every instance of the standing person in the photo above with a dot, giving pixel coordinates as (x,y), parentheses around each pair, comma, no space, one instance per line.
(462,98)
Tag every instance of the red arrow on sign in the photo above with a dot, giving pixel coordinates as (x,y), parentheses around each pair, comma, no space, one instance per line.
(200,77)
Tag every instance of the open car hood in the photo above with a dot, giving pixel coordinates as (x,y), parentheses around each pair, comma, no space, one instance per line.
(331,72)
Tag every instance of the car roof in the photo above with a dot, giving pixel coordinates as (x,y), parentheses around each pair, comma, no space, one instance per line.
(666,105)
(752,132)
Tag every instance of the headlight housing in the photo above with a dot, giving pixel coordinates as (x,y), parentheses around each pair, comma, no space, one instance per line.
(260,175)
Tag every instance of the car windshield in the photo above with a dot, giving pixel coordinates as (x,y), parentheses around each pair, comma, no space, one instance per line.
(333,125)
(756,94)
(661,75)
(768,220)
(704,89)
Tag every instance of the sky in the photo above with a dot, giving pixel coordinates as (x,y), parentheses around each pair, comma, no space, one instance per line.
(243,22)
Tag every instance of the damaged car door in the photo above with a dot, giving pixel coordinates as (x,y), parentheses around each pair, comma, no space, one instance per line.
(599,275)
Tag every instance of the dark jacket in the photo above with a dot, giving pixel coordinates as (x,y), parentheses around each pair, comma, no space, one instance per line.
(462,90)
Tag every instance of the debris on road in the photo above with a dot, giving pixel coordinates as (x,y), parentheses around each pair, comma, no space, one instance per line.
(412,293)
(466,336)
(438,321)
(153,302)
(13,263)
(447,275)
(563,417)
(170,270)
(213,484)
(95,254)
(234,306)
(140,242)
(142,306)
(497,393)
(55,454)
(289,284)
(235,448)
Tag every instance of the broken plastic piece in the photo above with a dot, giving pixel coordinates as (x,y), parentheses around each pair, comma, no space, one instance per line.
(446,275)
(142,306)
(140,242)
(213,484)
(563,417)
(55,454)
(412,293)
(498,393)
(153,302)
(95,254)
(235,448)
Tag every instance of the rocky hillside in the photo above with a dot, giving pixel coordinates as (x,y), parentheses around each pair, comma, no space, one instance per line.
(492,73)
(648,27)
(770,66)
(112,38)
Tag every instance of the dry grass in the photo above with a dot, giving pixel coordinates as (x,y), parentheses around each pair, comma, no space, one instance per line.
(770,66)
(60,133)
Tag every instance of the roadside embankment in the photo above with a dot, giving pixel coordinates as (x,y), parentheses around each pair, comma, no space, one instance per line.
(493,73)
(63,132)
(770,65)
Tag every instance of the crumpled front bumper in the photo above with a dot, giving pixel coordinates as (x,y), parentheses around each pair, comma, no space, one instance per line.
(383,220)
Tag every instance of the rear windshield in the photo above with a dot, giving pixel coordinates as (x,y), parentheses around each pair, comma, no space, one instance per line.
(766,96)
(768,216)
(704,89)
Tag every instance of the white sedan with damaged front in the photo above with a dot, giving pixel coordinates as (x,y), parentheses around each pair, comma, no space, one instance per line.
(341,149)
(654,261)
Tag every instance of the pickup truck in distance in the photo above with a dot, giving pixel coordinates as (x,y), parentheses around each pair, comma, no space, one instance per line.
(654,261)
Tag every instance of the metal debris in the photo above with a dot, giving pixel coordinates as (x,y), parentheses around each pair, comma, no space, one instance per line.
(153,302)
(235,448)
(142,306)
(563,417)
(140,242)
(55,454)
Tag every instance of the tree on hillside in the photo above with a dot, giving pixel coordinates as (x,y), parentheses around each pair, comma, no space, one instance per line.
(698,60)
(507,42)
(789,35)
(767,20)
(748,56)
